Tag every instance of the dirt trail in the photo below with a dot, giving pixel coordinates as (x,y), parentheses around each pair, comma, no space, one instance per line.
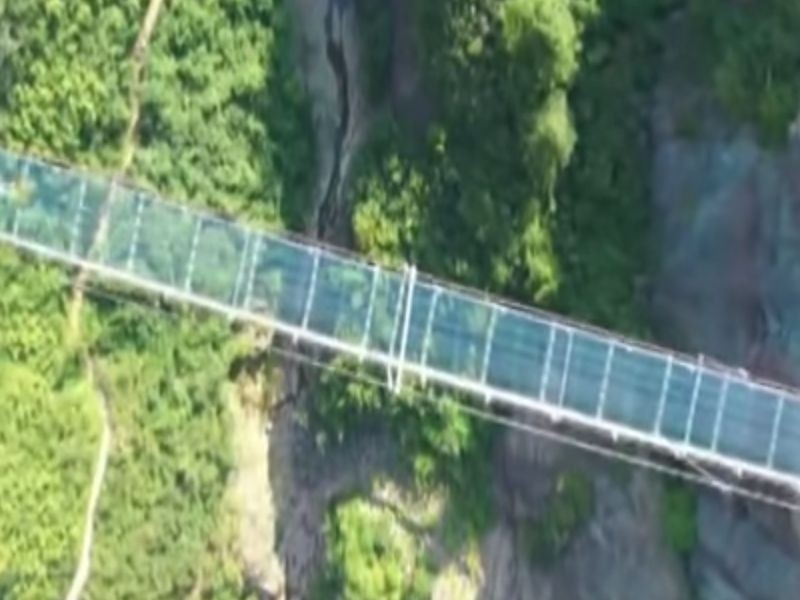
(82,572)
(139,56)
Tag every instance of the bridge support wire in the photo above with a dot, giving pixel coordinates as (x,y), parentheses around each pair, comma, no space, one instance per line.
(702,477)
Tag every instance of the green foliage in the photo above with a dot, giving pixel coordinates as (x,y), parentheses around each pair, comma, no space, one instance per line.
(162,498)
(224,119)
(391,195)
(755,60)
(679,514)
(33,325)
(425,429)
(46,458)
(63,91)
(47,436)
(443,446)
(475,197)
(570,508)
(603,197)
(370,555)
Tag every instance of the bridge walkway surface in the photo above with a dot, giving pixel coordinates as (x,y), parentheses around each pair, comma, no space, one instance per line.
(412,325)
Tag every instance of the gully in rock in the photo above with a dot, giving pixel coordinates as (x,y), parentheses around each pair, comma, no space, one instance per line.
(328,210)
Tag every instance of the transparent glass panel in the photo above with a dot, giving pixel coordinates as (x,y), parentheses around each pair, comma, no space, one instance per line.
(555,387)
(518,353)
(421,303)
(706,410)
(747,423)
(385,310)
(164,244)
(787,448)
(121,223)
(12,189)
(216,267)
(634,388)
(48,209)
(341,297)
(87,218)
(677,402)
(458,335)
(585,374)
(281,280)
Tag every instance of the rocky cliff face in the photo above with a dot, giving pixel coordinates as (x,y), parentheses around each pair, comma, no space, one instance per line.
(621,554)
(328,55)
(726,215)
(727,220)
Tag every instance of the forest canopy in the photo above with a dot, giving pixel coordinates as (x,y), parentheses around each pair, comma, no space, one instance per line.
(522,168)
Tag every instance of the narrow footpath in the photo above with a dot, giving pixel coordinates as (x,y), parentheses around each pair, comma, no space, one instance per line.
(139,56)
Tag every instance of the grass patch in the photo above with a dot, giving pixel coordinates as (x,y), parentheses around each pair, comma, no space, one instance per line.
(570,508)
(679,516)
(370,555)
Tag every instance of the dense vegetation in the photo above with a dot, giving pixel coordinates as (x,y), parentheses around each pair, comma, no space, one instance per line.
(64,93)
(531,180)
(679,515)
(370,553)
(754,60)
(215,75)
(224,121)
(528,176)
(47,439)
(440,444)
(161,509)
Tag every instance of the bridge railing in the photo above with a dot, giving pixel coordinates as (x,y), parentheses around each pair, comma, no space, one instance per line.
(412,325)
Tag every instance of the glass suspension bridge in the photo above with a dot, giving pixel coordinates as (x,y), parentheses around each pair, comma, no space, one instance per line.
(412,325)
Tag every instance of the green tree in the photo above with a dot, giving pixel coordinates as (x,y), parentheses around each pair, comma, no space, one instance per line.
(370,555)
(65,92)
(162,501)
(46,457)
(755,62)
(224,120)
(679,515)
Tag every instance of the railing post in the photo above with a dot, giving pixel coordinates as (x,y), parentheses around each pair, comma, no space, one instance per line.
(76,222)
(548,359)
(773,440)
(693,406)
(373,288)
(487,350)
(723,400)
(137,225)
(237,287)
(412,279)
(568,357)
(198,226)
(312,287)
(426,340)
(662,400)
(601,404)
(398,311)
(248,296)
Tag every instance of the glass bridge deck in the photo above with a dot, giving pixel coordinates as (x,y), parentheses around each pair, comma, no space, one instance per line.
(414,326)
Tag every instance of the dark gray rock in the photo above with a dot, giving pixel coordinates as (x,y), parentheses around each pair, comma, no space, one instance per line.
(741,556)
